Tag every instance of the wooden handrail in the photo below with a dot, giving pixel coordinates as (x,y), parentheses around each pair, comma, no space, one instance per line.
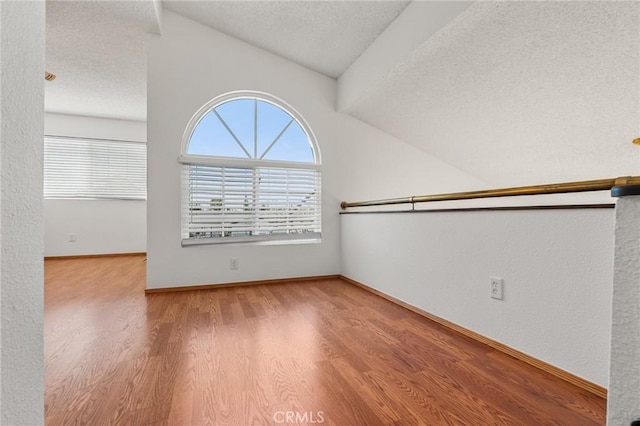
(552,188)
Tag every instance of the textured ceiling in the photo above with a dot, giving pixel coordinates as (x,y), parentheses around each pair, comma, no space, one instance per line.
(521,92)
(325,36)
(510,92)
(96,50)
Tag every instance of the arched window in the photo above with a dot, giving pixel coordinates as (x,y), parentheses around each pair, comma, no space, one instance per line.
(250,172)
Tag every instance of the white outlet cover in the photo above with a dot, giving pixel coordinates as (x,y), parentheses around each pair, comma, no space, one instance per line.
(233,263)
(497,288)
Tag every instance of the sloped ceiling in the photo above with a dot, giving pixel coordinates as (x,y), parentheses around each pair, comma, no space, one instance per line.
(510,92)
(521,92)
(96,48)
(325,36)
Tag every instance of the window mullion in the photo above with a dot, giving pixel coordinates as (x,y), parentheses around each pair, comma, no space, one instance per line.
(288,204)
(276,139)
(255,128)
(223,214)
(226,126)
(256,200)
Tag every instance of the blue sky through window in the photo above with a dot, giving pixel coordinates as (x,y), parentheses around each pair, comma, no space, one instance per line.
(292,144)
(271,121)
(239,116)
(210,129)
(211,136)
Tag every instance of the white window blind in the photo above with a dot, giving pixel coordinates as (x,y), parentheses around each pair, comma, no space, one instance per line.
(250,203)
(94,168)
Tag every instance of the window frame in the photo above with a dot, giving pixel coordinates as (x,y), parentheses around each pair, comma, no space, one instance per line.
(186,159)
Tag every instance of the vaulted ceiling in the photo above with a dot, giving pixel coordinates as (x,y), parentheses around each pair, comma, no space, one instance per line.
(514,93)
(510,92)
(325,36)
(96,48)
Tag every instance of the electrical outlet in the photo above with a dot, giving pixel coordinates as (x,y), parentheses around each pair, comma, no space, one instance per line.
(497,287)
(233,263)
(72,238)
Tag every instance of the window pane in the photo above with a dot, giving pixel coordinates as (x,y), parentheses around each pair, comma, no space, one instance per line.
(266,196)
(239,115)
(229,130)
(211,138)
(293,145)
(271,121)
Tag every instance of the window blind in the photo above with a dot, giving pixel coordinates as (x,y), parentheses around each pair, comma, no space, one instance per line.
(94,168)
(250,203)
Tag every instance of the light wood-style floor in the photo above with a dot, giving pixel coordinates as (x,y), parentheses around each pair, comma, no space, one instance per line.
(327,352)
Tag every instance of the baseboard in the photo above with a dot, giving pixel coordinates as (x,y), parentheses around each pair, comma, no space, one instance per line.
(242,284)
(92,256)
(555,371)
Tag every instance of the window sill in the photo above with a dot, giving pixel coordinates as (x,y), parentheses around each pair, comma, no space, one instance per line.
(257,241)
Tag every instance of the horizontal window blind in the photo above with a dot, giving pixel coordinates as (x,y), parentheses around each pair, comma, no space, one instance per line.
(94,168)
(250,203)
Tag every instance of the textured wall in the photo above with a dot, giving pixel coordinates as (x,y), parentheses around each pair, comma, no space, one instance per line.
(101,226)
(22,26)
(624,390)
(557,267)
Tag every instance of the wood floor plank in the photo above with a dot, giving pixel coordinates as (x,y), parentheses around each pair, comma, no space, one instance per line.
(345,400)
(254,355)
(375,396)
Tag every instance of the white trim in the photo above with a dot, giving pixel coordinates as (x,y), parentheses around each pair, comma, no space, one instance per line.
(93,139)
(314,237)
(244,162)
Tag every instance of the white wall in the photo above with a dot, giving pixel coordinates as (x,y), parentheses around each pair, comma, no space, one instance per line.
(557,266)
(191,64)
(22,33)
(100,226)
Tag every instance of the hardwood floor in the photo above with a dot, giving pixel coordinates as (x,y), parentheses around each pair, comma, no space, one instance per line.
(313,353)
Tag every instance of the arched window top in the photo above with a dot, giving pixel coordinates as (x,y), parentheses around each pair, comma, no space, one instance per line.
(250,126)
